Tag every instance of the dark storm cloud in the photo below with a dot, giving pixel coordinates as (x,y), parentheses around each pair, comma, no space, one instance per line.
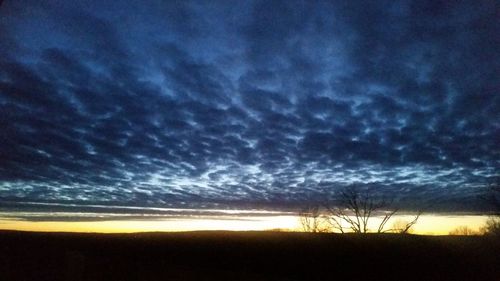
(268,103)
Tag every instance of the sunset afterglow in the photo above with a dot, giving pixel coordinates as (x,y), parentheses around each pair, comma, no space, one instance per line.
(261,105)
(428,224)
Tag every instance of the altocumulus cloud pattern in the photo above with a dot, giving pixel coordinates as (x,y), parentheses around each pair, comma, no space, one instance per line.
(259,103)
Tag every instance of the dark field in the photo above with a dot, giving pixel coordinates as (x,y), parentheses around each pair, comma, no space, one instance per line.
(245,256)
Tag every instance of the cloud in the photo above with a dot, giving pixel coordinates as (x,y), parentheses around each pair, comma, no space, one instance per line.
(269,104)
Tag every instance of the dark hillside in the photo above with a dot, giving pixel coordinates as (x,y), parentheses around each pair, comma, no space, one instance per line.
(245,256)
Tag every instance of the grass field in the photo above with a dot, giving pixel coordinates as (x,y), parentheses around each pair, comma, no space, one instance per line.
(246,256)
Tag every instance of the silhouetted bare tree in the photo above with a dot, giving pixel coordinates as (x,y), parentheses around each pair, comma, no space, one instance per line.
(311,219)
(354,210)
(403,226)
(463,230)
(492,226)
(494,195)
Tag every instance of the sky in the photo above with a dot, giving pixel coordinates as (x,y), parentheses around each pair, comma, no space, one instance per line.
(250,105)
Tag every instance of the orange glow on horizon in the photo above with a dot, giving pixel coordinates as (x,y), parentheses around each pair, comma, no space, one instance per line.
(433,224)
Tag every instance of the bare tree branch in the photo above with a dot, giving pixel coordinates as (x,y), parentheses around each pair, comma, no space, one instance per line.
(409,225)
(386,218)
(354,210)
(312,220)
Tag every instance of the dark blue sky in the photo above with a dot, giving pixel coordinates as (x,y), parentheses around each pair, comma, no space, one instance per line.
(249,103)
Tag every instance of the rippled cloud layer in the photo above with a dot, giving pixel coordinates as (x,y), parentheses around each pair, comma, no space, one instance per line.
(261,104)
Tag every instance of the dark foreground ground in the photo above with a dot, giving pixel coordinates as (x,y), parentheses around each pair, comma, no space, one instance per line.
(245,256)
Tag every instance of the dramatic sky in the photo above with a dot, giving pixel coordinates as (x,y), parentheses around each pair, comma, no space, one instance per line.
(268,104)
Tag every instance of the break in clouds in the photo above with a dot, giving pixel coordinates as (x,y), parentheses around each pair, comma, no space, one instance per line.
(251,104)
